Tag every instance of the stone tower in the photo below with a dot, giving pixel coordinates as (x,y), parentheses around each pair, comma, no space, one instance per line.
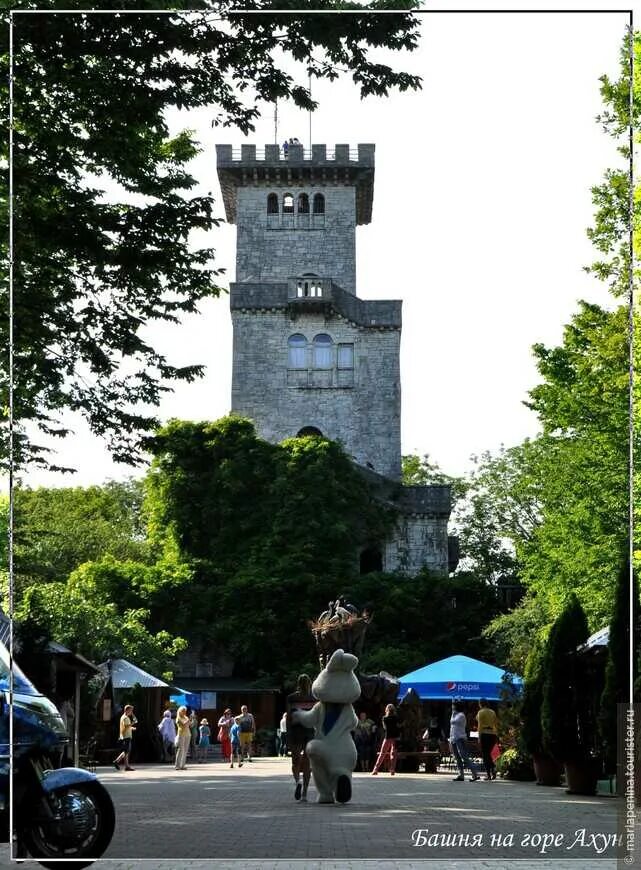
(310,356)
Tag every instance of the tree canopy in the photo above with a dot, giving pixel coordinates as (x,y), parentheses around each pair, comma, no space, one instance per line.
(91,95)
(57,530)
(575,475)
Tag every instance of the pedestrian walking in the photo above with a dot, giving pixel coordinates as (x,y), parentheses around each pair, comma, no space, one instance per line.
(458,742)
(299,736)
(167,729)
(193,733)
(126,729)
(183,738)
(247,726)
(204,734)
(282,735)
(224,724)
(487,722)
(364,741)
(236,748)
(391,733)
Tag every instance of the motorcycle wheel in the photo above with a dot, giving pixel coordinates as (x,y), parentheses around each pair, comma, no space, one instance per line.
(86,824)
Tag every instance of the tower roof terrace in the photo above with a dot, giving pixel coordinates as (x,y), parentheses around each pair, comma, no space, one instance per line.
(272,166)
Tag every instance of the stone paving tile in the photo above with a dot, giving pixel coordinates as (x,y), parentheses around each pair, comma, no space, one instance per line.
(211,816)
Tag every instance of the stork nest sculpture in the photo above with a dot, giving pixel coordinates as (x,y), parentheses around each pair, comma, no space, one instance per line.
(341,626)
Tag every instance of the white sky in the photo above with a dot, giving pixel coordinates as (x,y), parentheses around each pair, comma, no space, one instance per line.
(481,201)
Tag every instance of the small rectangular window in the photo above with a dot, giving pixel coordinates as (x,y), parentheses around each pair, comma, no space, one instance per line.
(345,356)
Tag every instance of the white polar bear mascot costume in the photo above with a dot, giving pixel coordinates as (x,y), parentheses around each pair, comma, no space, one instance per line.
(331,752)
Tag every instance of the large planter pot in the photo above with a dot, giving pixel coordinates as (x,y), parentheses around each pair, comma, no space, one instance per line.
(547,770)
(582,776)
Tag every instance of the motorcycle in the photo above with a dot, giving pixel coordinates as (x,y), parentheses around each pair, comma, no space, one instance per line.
(58,812)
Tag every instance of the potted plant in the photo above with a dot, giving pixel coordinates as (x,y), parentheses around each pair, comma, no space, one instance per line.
(547,770)
(563,716)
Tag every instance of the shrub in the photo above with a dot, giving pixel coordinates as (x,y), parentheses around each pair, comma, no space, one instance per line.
(562,715)
(534,680)
(515,764)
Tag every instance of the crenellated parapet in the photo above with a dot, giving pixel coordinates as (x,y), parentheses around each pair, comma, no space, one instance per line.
(320,166)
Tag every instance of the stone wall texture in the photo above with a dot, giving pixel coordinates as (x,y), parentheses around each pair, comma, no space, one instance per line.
(361,410)
(278,247)
(420,541)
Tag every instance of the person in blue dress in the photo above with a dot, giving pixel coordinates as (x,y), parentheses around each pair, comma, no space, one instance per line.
(203,740)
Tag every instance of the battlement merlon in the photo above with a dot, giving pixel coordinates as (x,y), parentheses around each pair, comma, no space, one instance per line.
(271,167)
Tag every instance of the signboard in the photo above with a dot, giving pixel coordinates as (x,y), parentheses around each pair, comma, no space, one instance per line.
(208,700)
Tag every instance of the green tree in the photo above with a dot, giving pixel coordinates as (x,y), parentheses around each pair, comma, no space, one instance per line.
(56,530)
(91,95)
(423,619)
(581,471)
(270,533)
(82,615)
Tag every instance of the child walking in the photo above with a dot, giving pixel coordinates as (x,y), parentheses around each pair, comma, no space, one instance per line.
(236,751)
(203,740)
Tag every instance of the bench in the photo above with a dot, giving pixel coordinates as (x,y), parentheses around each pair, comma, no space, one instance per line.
(430,758)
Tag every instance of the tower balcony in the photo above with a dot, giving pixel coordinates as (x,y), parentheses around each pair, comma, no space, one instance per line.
(309,293)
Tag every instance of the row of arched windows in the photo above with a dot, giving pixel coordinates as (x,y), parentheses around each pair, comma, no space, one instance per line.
(273,206)
(322,352)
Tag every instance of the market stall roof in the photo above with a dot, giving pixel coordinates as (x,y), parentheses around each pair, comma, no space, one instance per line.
(125,675)
(458,677)
(600,638)
(72,660)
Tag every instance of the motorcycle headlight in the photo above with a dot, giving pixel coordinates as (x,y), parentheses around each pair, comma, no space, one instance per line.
(38,714)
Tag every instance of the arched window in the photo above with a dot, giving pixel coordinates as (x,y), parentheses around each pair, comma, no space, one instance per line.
(303,203)
(272,204)
(297,351)
(323,345)
(307,431)
(319,203)
(288,204)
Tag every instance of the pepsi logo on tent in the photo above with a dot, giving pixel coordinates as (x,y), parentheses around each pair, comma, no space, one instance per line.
(463,687)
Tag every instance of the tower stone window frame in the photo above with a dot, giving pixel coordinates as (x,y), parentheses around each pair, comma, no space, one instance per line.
(318,211)
(273,211)
(302,211)
(297,345)
(323,351)
(288,211)
(288,203)
(345,355)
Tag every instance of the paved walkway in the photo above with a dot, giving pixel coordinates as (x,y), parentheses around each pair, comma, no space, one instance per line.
(211,816)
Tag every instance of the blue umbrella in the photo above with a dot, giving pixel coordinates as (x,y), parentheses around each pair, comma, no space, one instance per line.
(460,677)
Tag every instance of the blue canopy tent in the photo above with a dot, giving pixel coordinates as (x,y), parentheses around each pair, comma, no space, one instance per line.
(185,699)
(459,677)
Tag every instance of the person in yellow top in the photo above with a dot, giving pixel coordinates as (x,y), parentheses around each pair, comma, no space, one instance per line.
(487,722)
(127,728)
(183,737)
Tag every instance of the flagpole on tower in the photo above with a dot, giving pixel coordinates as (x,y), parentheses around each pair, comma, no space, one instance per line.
(310,113)
(276,122)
